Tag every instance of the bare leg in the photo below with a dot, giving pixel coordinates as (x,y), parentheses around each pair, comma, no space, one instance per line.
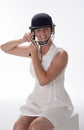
(23,123)
(41,123)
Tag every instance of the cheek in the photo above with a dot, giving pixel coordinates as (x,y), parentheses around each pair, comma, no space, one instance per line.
(38,35)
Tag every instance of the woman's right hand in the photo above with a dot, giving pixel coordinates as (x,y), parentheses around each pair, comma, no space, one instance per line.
(26,37)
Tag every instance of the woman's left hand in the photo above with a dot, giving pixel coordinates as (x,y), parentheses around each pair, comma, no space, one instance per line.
(33,49)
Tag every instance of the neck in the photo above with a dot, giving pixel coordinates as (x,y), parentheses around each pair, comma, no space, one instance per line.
(44,49)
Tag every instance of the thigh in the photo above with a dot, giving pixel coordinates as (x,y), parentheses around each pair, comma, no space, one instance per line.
(41,123)
(23,122)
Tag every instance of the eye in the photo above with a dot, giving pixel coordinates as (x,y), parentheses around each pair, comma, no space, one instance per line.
(37,30)
(47,29)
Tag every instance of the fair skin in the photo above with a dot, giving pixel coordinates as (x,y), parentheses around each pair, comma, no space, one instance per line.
(44,77)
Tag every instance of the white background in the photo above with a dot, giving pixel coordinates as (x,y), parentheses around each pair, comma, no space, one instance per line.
(15,80)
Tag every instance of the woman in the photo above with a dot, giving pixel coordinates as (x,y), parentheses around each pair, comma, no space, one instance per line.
(49,105)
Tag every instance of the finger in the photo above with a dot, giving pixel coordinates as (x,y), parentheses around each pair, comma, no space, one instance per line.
(32,40)
(27,37)
(33,45)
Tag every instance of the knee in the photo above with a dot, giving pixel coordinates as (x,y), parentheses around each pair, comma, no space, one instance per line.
(32,127)
(17,126)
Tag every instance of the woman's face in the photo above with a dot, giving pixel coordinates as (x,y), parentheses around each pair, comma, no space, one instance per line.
(42,34)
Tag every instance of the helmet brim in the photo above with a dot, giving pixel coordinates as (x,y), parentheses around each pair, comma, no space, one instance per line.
(36,27)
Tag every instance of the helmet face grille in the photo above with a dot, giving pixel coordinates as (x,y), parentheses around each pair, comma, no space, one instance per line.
(41,20)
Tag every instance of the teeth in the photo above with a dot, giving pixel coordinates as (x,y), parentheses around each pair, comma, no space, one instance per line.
(42,37)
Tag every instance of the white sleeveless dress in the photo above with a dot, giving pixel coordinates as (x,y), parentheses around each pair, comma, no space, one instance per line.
(50,101)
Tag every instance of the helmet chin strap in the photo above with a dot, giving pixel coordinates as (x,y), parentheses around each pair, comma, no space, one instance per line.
(43,43)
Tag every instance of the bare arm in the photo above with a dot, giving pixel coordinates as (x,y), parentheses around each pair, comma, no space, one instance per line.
(13,47)
(11,44)
(58,64)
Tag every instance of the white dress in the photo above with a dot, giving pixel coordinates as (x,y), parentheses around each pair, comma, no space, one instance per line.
(50,101)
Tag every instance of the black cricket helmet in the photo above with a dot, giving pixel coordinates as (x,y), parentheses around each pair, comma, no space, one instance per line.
(41,20)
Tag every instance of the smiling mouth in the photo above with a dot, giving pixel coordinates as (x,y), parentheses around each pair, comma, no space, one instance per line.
(43,43)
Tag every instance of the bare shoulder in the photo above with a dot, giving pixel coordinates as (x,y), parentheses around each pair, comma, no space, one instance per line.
(61,54)
(58,64)
(61,58)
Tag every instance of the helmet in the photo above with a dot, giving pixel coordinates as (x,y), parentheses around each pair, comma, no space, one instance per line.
(41,20)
